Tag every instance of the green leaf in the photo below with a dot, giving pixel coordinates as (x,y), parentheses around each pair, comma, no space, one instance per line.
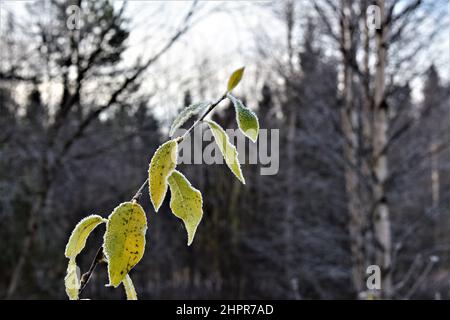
(229,151)
(247,120)
(124,240)
(129,288)
(235,78)
(162,165)
(77,239)
(72,280)
(186,113)
(186,203)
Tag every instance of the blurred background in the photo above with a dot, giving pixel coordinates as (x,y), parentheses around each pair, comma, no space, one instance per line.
(361,98)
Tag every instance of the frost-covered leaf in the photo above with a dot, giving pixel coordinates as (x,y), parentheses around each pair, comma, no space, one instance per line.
(186,203)
(74,246)
(235,78)
(162,165)
(124,240)
(229,151)
(77,239)
(246,119)
(72,280)
(186,113)
(129,288)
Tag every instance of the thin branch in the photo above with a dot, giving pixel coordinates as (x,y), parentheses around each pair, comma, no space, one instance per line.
(421,279)
(392,18)
(211,107)
(138,193)
(129,80)
(408,275)
(87,276)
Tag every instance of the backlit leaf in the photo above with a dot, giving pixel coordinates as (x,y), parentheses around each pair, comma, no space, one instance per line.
(77,239)
(235,78)
(229,151)
(72,280)
(246,119)
(186,113)
(124,240)
(186,203)
(162,165)
(129,288)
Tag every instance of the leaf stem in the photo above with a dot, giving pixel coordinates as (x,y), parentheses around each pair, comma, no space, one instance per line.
(138,193)
(87,276)
(210,108)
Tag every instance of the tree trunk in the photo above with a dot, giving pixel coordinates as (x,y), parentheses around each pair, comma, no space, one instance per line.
(382,227)
(366,140)
(26,246)
(349,125)
(288,234)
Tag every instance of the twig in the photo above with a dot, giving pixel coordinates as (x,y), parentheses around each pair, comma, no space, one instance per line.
(211,107)
(127,82)
(87,276)
(421,279)
(138,193)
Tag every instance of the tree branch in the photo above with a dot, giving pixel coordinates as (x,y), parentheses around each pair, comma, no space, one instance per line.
(87,276)
(129,80)
(99,256)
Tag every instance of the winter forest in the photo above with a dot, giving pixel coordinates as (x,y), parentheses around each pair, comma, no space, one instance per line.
(355,100)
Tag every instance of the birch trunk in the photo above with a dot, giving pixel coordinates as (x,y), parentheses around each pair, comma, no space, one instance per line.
(382,227)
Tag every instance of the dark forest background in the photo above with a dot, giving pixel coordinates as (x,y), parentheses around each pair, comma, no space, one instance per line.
(364,162)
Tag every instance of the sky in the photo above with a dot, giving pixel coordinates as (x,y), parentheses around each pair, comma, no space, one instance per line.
(224,37)
(220,41)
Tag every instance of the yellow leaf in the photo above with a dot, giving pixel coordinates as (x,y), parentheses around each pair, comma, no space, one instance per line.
(129,288)
(124,240)
(77,239)
(235,78)
(229,151)
(162,165)
(72,280)
(186,203)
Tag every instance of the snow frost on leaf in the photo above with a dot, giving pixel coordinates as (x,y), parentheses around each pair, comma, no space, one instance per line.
(72,280)
(246,119)
(79,235)
(162,165)
(229,151)
(186,203)
(187,113)
(129,288)
(235,79)
(74,246)
(124,240)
